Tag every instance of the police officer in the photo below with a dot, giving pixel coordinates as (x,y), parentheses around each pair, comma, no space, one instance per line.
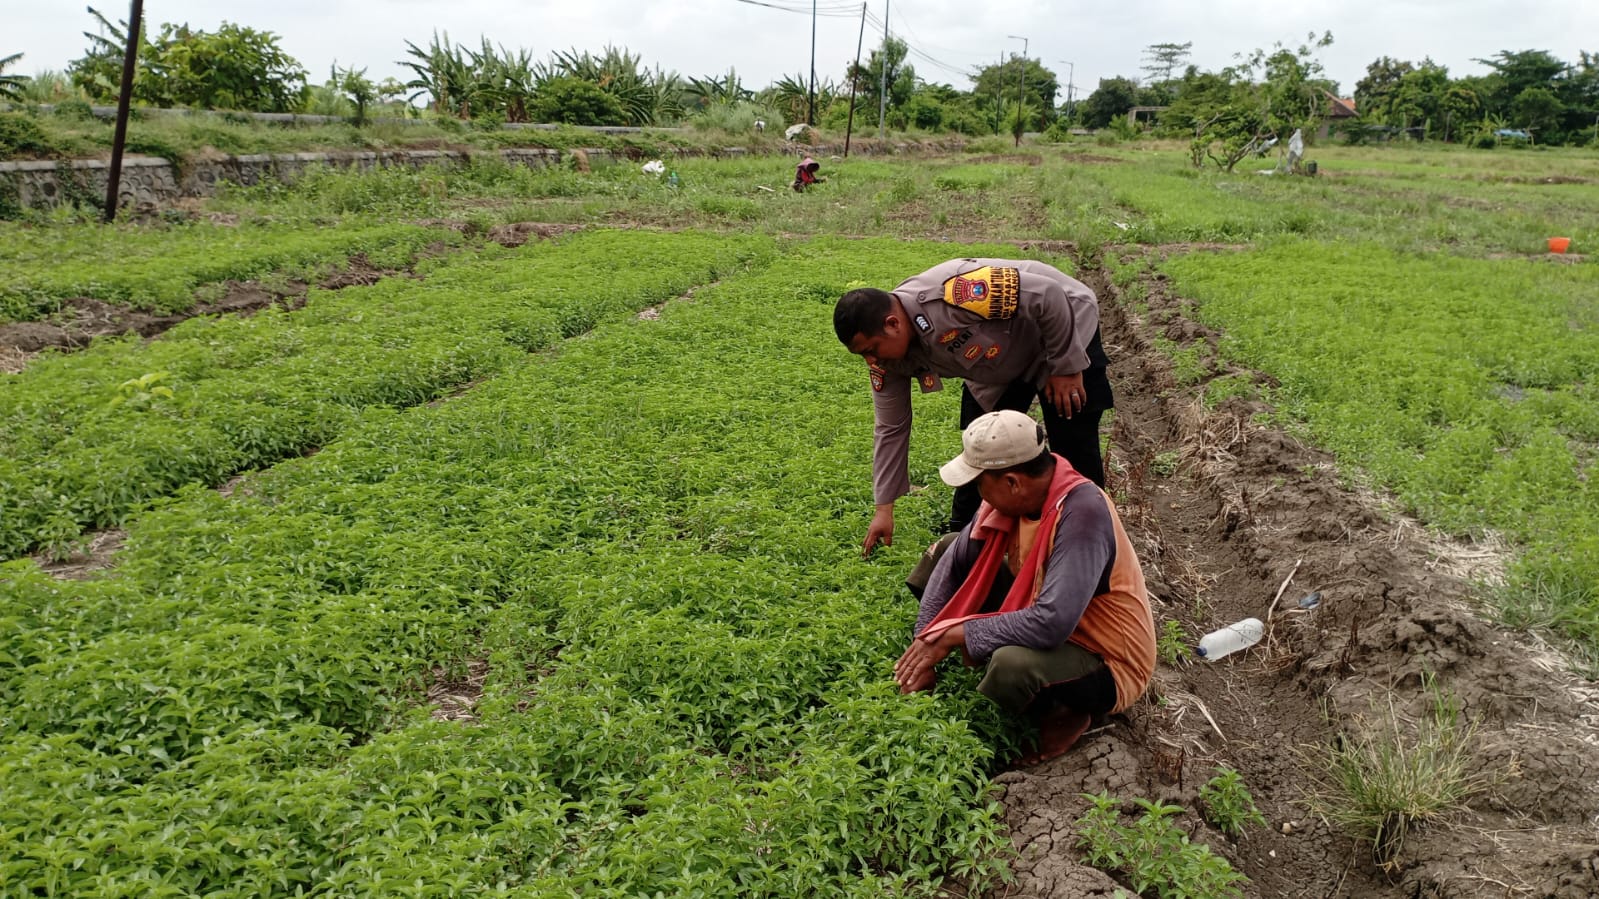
(1012,329)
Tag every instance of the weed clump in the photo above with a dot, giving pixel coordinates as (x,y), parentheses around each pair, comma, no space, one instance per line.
(1380,781)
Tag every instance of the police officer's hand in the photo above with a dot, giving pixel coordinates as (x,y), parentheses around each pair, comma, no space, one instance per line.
(881,529)
(1066,393)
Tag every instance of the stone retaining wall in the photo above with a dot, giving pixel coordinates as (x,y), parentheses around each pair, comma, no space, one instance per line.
(152,182)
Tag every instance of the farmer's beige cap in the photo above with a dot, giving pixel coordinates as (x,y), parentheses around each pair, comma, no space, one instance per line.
(993,442)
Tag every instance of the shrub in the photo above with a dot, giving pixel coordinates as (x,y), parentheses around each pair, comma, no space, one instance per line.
(20,136)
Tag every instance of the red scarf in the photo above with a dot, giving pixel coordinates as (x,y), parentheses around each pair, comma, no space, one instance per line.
(994,530)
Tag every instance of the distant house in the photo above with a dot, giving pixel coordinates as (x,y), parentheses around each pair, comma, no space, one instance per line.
(1338,109)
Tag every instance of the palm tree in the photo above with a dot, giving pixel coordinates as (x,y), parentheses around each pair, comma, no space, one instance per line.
(504,81)
(99,72)
(442,72)
(791,95)
(11,85)
(713,91)
(648,98)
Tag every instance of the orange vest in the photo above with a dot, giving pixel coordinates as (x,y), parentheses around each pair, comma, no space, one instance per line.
(1117,625)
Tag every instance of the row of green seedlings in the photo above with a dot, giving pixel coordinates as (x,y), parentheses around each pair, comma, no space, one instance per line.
(172,269)
(1155,855)
(1476,411)
(92,436)
(648,545)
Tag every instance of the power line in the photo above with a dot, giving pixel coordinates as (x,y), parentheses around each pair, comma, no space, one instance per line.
(900,13)
(913,50)
(837,11)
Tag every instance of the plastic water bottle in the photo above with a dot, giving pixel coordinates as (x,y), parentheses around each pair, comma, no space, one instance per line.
(1230,639)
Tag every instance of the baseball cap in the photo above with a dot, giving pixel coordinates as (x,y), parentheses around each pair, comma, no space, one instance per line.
(993,442)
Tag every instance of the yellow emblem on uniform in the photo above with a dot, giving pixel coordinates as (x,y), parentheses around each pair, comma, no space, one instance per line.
(990,292)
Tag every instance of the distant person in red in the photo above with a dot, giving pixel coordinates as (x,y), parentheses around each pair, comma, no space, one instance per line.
(805,174)
(1042,588)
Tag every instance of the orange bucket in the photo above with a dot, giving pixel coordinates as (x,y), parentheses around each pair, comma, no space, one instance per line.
(1559,244)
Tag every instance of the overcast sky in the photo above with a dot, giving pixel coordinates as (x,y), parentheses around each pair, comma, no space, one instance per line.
(950,37)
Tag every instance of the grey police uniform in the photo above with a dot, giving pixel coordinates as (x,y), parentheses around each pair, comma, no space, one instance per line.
(992,322)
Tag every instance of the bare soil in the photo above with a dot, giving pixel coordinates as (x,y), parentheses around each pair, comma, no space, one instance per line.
(95,554)
(82,319)
(514,235)
(1234,515)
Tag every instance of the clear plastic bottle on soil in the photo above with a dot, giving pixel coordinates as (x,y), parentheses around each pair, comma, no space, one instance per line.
(1230,639)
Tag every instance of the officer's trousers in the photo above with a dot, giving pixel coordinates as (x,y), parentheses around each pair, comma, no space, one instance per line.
(1075,438)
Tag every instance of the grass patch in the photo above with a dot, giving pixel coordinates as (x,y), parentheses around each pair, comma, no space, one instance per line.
(1385,778)
(1472,404)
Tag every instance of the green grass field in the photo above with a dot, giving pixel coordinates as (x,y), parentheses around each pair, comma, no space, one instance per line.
(631,541)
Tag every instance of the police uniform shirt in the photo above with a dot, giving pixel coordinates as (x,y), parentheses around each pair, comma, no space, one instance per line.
(989,321)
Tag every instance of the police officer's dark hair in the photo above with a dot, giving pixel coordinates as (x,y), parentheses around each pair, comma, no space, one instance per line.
(861,311)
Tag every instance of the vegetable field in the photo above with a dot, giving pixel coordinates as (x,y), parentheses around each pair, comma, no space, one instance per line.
(534,569)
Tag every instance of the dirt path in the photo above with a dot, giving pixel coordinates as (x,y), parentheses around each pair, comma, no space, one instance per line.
(1223,511)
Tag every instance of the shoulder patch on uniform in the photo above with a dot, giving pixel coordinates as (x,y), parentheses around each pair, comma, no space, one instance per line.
(990,291)
(877,377)
(922,324)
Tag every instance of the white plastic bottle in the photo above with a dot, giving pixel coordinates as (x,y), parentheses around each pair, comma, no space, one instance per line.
(1230,639)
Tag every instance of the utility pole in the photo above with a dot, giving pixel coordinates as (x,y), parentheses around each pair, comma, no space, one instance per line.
(1071,70)
(999,94)
(1021,85)
(849,127)
(882,86)
(810,111)
(124,100)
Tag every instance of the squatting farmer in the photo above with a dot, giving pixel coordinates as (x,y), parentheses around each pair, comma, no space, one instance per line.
(1042,587)
(805,174)
(1011,329)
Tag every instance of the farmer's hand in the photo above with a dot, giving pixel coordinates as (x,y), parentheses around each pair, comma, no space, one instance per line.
(880,530)
(915,670)
(1066,393)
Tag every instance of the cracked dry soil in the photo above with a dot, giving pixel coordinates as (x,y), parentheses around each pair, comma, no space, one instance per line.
(1233,514)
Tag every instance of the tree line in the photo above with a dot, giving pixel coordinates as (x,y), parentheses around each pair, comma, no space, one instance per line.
(236,67)
(1528,95)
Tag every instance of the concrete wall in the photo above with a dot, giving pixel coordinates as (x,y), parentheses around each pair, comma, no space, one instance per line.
(148,181)
(151,182)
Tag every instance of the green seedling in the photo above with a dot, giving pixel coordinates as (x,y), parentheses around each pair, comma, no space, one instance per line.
(1152,852)
(1227,804)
